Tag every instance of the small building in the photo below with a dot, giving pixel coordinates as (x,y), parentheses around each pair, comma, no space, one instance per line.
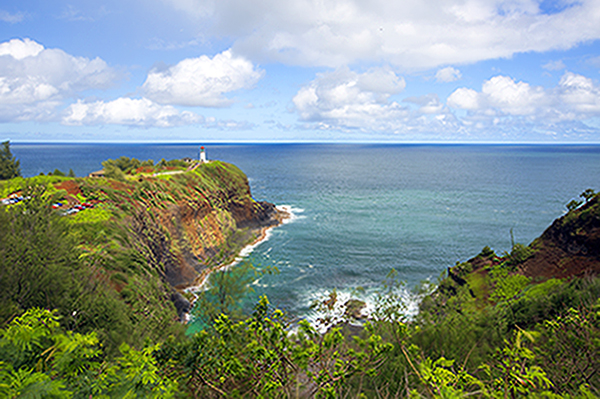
(187,160)
(98,173)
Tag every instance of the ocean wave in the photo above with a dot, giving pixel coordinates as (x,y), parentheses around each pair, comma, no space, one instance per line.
(247,250)
(293,212)
(408,300)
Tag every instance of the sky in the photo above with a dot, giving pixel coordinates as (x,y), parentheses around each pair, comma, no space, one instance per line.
(438,71)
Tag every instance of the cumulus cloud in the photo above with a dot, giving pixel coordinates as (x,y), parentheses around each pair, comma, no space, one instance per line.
(575,98)
(503,108)
(411,33)
(502,93)
(448,74)
(428,104)
(34,80)
(128,111)
(141,112)
(464,98)
(580,94)
(19,49)
(201,81)
(347,99)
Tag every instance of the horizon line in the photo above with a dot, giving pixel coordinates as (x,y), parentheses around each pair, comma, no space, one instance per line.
(217,142)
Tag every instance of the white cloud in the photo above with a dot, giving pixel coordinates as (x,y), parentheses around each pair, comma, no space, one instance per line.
(34,80)
(141,113)
(128,111)
(465,99)
(576,98)
(429,104)
(579,94)
(349,102)
(503,94)
(19,49)
(515,98)
(411,33)
(554,65)
(11,18)
(503,109)
(201,81)
(448,74)
(346,99)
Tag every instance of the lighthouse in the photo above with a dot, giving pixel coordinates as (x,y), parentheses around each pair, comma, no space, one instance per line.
(202,155)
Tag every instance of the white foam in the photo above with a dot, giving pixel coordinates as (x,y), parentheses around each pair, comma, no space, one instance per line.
(409,300)
(294,213)
(257,283)
(248,249)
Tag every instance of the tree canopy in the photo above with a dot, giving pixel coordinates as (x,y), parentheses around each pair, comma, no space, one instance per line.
(9,166)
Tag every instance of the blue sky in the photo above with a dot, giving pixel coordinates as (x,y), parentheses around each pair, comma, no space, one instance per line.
(300,70)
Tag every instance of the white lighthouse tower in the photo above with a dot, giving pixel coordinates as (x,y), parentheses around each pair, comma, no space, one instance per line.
(202,155)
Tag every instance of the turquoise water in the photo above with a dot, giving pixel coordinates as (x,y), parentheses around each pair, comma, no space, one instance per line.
(362,210)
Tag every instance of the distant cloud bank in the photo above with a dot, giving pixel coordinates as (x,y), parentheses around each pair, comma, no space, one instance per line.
(576,97)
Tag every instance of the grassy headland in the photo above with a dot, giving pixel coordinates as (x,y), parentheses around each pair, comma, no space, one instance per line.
(129,241)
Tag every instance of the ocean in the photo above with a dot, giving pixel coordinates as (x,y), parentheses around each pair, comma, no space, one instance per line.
(362,210)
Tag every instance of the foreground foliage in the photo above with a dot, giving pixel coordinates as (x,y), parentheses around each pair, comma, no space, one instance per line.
(260,357)
(39,359)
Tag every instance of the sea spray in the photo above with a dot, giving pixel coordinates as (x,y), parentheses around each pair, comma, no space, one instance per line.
(409,301)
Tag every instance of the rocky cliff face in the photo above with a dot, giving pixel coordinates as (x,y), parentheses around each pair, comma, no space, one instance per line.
(569,247)
(190,237)
(567,250)
(182,224)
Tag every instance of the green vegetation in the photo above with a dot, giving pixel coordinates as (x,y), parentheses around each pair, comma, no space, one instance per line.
(488,330)
(40,359)
(43,264)
(9,165)
(258,356)
(122,166)
(106,268)
(587,195)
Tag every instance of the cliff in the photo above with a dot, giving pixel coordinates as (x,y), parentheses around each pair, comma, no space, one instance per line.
(567,251)
(159,228)
(569,247)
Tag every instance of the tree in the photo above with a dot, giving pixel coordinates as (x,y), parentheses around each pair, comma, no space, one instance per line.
(573,204)
(38,258)
(9,166)
(40,359)
(125,164)
(258,357)
(224,295)
(588,194)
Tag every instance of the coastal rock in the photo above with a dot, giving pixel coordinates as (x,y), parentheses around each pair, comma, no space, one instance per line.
(569,247)
(354,309)
(177,226)
(188,238)
(182,305)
